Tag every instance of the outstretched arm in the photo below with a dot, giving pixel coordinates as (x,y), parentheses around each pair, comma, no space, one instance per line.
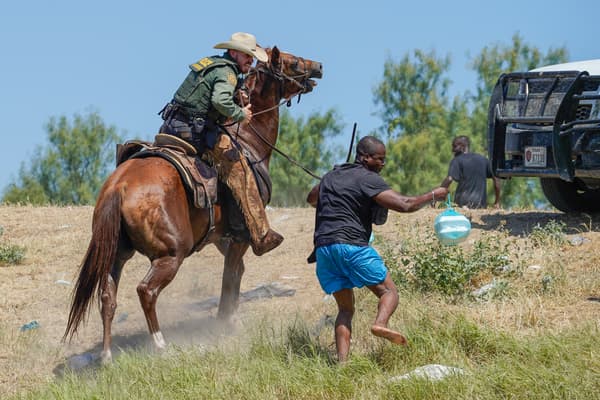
(400,203)
(446,182)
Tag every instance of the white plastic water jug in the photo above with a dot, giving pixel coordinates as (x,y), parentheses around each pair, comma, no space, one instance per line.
(451,227)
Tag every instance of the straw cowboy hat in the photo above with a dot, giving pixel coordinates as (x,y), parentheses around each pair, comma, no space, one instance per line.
(246,43)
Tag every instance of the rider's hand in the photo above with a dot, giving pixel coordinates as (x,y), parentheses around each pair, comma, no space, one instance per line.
(248,113)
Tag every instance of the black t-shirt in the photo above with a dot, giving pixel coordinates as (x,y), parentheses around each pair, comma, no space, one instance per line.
(345,206)
(470,170)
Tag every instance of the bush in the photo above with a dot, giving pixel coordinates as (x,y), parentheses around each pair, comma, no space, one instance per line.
(551,234)
(10,254)
(450,270)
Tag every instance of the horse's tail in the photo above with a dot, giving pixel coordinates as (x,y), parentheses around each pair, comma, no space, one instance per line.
(98,260)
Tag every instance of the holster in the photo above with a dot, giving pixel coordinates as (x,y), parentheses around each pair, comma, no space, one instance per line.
(209,131)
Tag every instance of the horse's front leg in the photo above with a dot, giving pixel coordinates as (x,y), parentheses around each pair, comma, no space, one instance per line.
(232,277)
(161,273)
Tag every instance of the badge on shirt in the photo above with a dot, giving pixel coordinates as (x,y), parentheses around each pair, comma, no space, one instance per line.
(201,64)
(232,79)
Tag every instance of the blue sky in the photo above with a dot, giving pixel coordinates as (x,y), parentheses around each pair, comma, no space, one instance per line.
(124,59)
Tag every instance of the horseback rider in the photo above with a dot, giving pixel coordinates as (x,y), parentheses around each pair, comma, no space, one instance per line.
(201,104)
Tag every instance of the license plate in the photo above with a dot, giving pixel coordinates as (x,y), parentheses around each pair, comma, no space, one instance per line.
(535,156)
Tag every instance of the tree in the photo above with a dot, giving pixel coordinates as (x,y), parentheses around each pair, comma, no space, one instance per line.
(413,94)
(72,168)
(419,120)
(304,141)
(489,65)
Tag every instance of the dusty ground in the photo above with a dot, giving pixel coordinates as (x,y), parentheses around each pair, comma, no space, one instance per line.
(57,237)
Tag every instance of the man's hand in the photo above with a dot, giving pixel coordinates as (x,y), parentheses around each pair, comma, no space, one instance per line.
(248,114)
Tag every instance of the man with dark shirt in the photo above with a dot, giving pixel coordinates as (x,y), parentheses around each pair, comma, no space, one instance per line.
(349,199)
(470,170)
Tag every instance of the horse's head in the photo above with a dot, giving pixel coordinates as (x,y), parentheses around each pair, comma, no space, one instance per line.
(293,74)
(268,86)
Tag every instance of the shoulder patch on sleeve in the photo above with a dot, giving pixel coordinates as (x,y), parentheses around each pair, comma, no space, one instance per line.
(232,79)
(201,64)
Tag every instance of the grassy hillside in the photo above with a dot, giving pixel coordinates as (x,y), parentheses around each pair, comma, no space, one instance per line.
(533,334)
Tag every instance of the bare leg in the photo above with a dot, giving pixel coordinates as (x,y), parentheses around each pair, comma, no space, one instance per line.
(343,322)
(388,301)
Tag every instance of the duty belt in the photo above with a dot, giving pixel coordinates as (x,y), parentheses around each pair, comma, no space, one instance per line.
(185,117)
(189,115)
(179,112)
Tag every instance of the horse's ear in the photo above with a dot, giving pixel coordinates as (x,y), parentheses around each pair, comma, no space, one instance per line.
(275,56)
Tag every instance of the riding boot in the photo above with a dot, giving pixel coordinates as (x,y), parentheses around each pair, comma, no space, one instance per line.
(234,170)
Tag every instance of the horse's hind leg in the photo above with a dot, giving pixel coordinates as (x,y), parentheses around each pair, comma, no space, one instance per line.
(232,277)
(109,301)
(162,272)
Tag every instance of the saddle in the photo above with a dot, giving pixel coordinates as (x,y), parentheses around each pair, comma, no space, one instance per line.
(199,179)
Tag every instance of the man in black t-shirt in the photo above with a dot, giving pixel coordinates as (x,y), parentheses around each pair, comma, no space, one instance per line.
(470,170)
(349,199)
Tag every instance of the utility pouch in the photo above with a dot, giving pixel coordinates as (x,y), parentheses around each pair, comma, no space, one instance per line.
(167,111)
(178,128)
(198,125)
(211,133)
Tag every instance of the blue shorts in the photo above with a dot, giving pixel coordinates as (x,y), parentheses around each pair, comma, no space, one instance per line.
(345,266)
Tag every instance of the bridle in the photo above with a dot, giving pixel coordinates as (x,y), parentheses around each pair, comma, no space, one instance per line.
(301,80)
(281,78)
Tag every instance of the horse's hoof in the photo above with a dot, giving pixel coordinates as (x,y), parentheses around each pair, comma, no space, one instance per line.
(159,341)
(106,357)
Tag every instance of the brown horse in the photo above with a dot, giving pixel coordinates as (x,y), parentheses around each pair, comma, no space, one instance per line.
(143,207)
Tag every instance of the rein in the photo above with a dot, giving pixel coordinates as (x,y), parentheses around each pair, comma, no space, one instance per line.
(284,155)
(280,76)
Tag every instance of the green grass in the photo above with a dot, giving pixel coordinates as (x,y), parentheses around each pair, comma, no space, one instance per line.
(509,344)
(288,363)
(551,234)
(424,264)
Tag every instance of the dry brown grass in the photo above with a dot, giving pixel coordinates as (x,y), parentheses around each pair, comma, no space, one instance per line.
(57,237)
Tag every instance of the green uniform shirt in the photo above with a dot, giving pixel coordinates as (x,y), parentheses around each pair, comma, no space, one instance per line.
(207,91)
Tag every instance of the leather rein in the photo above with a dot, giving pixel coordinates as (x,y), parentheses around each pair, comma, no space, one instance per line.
(281,77)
